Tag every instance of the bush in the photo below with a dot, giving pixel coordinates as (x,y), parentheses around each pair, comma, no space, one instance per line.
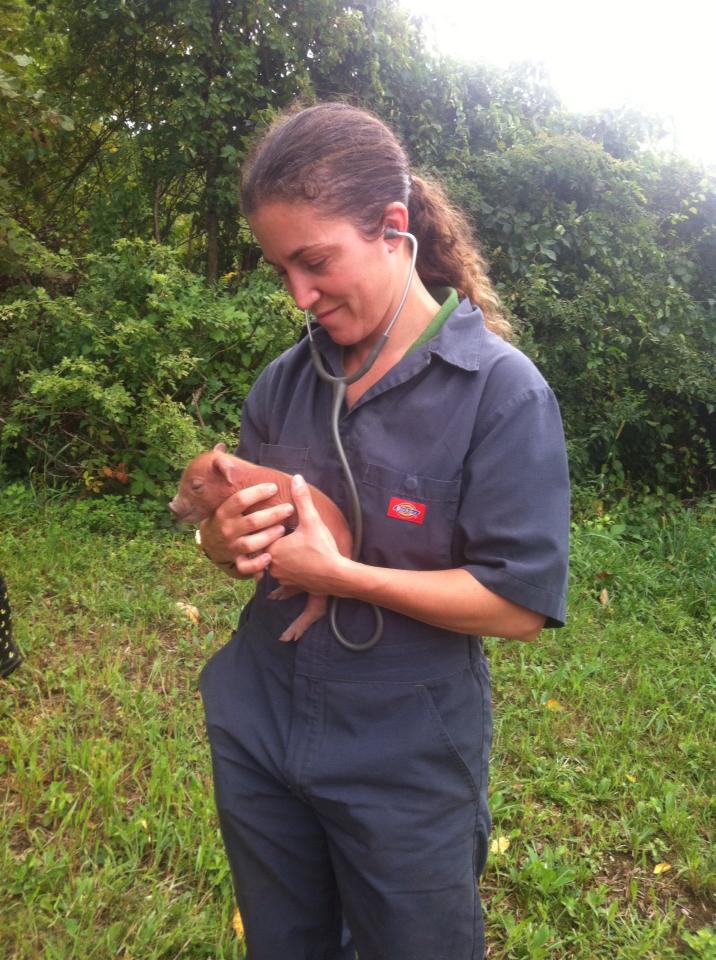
(116,386)
(605,266)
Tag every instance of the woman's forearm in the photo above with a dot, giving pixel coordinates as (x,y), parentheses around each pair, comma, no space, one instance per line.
(450,599)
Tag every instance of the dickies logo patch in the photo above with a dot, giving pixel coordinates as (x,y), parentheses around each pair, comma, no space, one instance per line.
(409,510)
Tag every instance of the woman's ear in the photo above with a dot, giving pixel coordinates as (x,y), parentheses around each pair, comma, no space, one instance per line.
(395,217)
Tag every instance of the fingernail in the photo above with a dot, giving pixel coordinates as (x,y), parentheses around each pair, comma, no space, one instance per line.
(299,479)
(288,508)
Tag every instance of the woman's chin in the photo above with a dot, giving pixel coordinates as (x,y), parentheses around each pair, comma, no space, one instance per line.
(347,335)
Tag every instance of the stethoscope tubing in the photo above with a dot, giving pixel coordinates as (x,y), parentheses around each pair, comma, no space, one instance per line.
(339,385)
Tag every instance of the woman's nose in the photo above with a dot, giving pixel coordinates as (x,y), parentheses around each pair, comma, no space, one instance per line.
(303,292)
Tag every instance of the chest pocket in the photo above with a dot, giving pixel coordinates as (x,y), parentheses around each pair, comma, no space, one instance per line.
(281,457)
(408,519)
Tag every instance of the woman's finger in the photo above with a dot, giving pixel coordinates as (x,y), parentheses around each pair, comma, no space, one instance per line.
(253,566)
(254,543)
(305,507)
(239,502)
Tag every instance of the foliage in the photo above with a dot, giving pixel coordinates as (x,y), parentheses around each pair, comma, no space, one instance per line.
(31,130)
(607,280)
(167,96)
(120,383)
(602,765)
(124,123)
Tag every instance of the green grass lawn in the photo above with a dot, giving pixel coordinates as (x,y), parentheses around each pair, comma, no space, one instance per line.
(603,768)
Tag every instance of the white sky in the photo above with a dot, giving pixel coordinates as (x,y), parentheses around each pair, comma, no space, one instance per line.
(656,57)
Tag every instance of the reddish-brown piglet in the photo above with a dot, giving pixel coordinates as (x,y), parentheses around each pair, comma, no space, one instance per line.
(214,476)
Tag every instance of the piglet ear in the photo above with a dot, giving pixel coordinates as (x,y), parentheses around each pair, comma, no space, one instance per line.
(225,466)
(221,447)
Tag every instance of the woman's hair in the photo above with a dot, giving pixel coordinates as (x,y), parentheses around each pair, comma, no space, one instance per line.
(348,163)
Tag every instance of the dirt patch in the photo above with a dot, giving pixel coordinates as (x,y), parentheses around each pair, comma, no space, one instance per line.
(651,895)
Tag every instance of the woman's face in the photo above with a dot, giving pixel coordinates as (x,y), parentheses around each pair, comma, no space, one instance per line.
(347,282)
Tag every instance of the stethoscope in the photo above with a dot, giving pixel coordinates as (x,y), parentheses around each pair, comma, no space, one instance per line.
(339,385)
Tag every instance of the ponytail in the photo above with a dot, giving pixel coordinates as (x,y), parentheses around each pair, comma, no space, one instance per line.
(449,255)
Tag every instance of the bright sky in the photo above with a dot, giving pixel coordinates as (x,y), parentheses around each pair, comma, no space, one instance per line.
(656,57)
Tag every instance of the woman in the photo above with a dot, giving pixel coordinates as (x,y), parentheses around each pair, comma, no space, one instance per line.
(352,786)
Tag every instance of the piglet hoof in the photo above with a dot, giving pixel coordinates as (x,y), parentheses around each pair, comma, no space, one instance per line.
(314,610)
(292,632)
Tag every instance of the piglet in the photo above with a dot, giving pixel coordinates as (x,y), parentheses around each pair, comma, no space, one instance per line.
(214,476)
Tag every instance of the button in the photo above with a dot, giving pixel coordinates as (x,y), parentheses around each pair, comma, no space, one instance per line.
(411,483)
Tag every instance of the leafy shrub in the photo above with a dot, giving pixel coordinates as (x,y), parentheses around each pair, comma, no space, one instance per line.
(119,384)
(604,252)
(605,265)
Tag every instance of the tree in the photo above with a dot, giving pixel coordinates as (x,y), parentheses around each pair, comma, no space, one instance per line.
(128,121)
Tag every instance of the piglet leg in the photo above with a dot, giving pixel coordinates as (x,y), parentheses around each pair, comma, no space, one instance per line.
(284,593)
(315,609)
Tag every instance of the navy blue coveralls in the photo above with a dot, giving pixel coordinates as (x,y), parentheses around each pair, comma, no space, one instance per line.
(352,787)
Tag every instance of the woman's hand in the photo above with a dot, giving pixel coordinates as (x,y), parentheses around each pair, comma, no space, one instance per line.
(308,557)
(232,536)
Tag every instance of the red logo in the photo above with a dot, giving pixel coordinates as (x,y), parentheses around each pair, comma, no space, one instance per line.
(401,509)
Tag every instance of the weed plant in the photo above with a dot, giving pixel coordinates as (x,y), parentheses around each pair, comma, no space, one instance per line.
(602,779)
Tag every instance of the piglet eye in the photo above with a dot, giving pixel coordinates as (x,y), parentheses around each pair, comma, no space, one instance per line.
(197,485)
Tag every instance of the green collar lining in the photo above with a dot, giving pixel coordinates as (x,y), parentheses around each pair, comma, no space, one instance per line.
(447,296)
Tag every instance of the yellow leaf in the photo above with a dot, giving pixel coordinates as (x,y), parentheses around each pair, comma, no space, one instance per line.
(500,845)
(630,778)
(238,924)
(661,868)
(554,705)
(604,597)
(190,612)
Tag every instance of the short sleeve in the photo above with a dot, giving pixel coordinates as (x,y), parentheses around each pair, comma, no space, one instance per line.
(513,519)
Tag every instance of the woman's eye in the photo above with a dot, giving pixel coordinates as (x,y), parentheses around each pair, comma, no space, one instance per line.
(317,265)
(314,266)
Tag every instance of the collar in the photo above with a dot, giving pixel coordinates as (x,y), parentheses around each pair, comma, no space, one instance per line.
(448,299)
(458,341)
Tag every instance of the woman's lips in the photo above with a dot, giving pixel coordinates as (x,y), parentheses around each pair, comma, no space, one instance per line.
(327,313)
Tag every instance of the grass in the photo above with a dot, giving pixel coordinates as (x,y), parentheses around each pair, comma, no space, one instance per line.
(603,763)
